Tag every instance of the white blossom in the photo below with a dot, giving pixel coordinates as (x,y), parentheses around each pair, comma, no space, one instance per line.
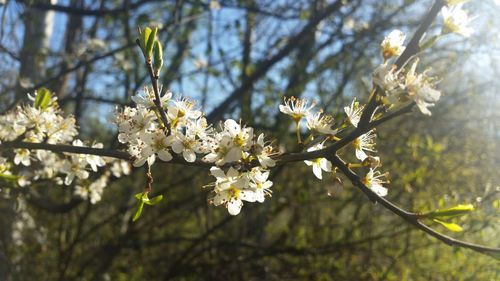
(231,189)
(296,108)
(120,168)
(22,157)
(264,152)
(74,167)
(456,20)
(365,142)
(388,79)
(229,145)
(152,144)
(392,45)
(419,89)
(187,145)
(373,180)
(321,123)
(147,96)
(260,184)
(354,112)
(319,164)
(94,190)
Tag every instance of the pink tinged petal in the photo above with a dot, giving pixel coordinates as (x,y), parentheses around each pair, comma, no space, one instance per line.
(317,171)
(234,206)
(189,155)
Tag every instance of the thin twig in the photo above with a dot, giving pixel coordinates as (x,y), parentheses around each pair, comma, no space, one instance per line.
(412,218)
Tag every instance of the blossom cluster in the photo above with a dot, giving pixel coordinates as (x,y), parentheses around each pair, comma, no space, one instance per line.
(321,124)
(160,127)
(45,123)
(400,86)
(240,158)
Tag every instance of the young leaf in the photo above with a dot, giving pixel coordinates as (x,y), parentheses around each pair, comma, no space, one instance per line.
(456,211)
(158,58)
(42,98)
(8,177)
(139,196)
(150,43)
(143,39)
(138,212)
(450,226)
(154,200)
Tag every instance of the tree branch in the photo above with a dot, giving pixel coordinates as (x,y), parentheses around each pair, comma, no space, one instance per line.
(412,218)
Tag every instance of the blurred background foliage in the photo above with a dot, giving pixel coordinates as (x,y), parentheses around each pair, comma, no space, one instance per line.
(247,55)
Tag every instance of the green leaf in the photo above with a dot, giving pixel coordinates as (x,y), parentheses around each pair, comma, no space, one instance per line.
(456,211)
(450,226)
(143,39)
(42,98)
(158,58)
(139,196)
(138,212)
(154,200)
(143,198)
(8,177)
(150,43)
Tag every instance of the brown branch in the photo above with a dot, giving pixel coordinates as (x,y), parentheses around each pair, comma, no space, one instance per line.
(412,218)
(410,50)
(66,148)
(365,125)
(263,66)
(76,11)
(157,101)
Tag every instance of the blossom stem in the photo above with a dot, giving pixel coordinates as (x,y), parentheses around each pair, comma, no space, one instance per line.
(297,131)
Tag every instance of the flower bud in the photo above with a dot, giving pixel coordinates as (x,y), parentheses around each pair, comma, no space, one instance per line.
(158,58)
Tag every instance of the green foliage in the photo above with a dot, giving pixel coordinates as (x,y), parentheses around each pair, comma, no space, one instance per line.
(450,226)
(144,199)
(456,211)
(42,98)
(157,58)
